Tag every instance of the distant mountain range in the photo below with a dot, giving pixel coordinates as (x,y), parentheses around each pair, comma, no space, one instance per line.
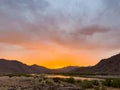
(106,66)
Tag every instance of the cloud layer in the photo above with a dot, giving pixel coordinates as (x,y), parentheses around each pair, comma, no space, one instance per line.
(79,24)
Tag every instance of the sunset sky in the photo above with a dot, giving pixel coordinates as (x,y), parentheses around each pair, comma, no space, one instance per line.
(58,33)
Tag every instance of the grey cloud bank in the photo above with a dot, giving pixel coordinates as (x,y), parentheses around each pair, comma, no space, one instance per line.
(71,22)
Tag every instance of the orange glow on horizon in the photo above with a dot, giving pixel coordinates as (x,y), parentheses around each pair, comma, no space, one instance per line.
(56,34)
(54,56)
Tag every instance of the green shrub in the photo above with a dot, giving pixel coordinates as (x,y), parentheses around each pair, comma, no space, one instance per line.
(115,83)
(95,82)
(112,83)
(69,80)
(96,88)
(56,79)
(78,81)
(103,88)
(11,75)
(19,75)
(107,82)
(87,84)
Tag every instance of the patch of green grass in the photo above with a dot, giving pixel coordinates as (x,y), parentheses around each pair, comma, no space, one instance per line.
(112,82)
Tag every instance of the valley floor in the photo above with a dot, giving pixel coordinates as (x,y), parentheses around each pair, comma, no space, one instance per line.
(41,82)
(34,83)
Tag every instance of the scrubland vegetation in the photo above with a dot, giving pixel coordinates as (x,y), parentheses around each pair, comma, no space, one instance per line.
(115,82)
(41,82)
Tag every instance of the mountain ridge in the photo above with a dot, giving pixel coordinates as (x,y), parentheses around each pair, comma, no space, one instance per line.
(109,65)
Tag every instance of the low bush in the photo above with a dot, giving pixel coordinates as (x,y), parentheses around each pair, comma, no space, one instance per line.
(103,88)
(95,82)
(69,80)
(56,79)
(18,75)
(96,88)
(112,82)
(87,84)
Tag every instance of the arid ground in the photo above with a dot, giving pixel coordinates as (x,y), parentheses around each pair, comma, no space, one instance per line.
(41,82)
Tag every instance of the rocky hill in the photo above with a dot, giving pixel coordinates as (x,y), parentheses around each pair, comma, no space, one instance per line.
(14,66)
(106,66)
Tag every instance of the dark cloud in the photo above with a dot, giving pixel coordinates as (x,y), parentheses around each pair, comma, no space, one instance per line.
(112,4)
(24,4)
(94,30)
(76,23)
(25,10)
(109,16)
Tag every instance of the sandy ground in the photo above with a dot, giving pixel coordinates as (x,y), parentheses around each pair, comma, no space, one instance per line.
(16,83)
(33,83)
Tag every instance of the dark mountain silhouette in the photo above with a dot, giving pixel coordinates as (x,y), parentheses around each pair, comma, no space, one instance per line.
(14,66)
(106,66)
(40,69)
(65,69)
(109,65)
